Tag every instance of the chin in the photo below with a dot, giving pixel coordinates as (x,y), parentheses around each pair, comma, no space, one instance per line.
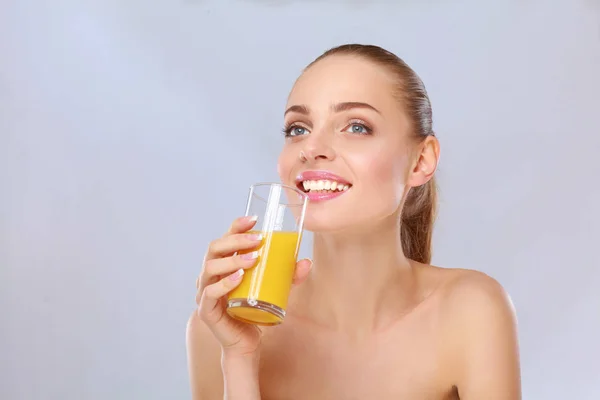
(316,223)
(322,221)
(363,220)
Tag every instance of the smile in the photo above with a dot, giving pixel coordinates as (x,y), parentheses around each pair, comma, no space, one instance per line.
(322,185)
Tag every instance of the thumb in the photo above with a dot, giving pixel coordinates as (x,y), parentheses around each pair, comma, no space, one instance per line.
(303,268)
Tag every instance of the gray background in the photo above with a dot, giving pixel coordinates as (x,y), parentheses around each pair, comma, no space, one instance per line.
(130,131)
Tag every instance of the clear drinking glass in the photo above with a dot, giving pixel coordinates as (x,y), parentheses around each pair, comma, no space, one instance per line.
(261,298)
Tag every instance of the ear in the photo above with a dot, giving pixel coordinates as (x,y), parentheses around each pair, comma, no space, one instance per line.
(426,162)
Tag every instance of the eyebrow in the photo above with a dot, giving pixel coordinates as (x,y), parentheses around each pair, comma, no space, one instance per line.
(339,107)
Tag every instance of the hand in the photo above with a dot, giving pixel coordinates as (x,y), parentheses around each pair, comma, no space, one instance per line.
(221,273)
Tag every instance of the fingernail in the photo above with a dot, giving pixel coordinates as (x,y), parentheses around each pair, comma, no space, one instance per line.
(250,256)
(251,218)
(310,265)
(255,236)
(237,275)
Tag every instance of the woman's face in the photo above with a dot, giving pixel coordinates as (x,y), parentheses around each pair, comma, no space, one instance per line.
(342,119)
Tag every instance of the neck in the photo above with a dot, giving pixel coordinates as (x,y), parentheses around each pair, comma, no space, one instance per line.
(361,281)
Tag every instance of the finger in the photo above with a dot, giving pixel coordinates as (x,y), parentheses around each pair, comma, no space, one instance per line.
(242,224)
(228,245)
(208,299)
(303,268)
(225,266)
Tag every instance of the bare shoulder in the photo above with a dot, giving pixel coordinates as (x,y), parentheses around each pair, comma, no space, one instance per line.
(480,335)
(204,360)
(474,294)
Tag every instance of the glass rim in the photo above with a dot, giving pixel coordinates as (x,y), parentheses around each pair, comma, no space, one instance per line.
(295,189)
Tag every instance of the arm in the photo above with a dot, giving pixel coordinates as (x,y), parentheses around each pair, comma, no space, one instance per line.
(485,329)
(213,374)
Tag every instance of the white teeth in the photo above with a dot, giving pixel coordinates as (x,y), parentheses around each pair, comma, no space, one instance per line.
(324,185)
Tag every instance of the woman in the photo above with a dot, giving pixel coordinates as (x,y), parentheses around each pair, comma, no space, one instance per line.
(372,319)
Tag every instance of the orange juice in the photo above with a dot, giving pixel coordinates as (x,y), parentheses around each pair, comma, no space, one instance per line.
(261,298)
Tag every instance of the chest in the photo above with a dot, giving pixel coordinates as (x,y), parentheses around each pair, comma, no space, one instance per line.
(398,365)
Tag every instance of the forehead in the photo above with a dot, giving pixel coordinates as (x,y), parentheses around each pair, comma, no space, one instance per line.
(344,78)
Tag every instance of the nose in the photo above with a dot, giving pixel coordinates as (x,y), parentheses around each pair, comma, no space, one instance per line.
(318,147)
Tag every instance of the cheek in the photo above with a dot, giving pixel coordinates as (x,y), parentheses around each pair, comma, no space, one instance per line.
(383,178)
(285,163)
(385,170)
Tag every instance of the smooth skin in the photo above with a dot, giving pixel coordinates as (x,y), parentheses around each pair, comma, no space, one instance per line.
(364,321)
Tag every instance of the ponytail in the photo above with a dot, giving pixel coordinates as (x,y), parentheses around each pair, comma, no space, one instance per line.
(417,220)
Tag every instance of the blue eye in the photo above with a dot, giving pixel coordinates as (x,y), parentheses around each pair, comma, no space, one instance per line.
(295,130)
(359,129)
